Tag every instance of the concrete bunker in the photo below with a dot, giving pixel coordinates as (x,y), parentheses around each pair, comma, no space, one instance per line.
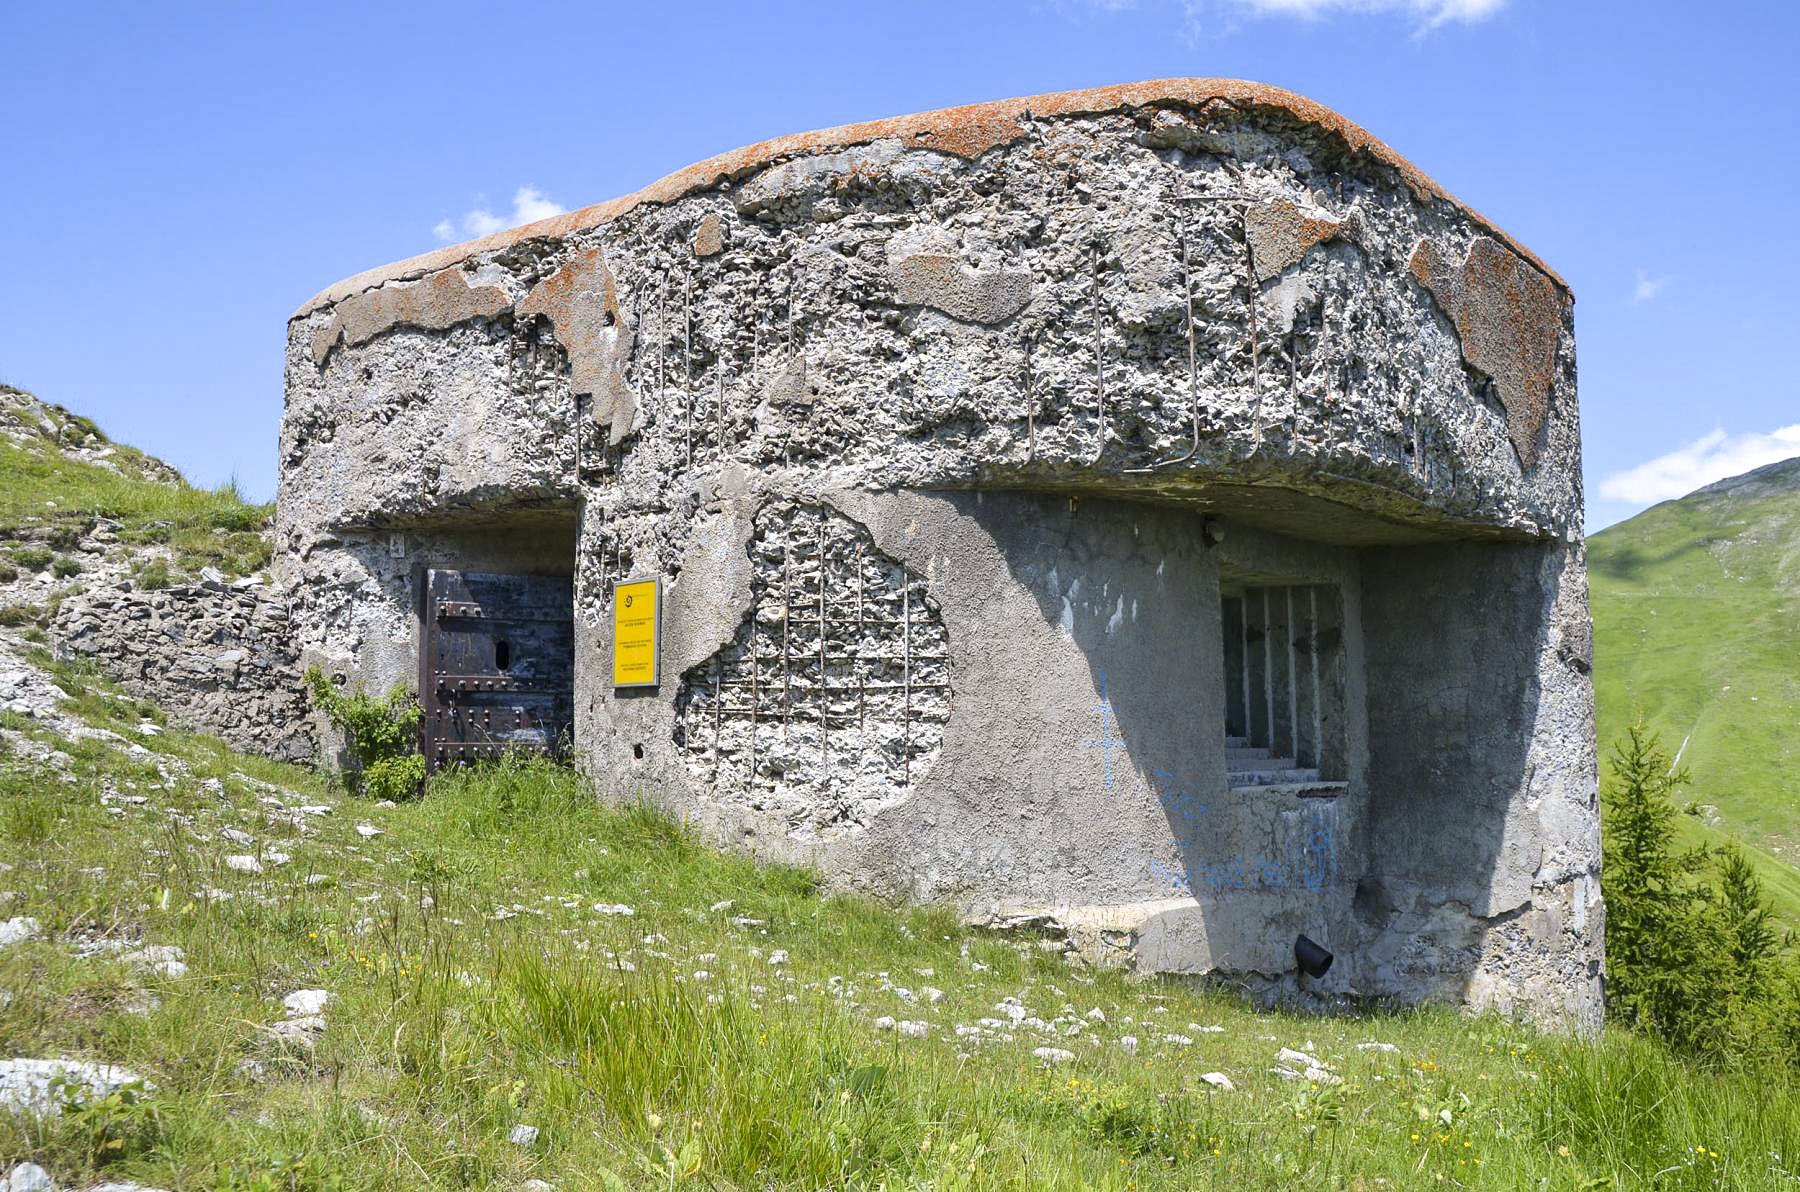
(1155,509)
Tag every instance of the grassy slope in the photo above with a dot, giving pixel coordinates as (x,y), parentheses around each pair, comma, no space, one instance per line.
(476,986)
(1696,609)
(48,498)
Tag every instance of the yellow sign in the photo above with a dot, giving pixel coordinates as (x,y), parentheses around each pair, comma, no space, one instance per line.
(637,623)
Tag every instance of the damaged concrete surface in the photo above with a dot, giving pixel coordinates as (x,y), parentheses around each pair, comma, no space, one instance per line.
(1020,355)
(1506,315)
(441,301)
(582,303)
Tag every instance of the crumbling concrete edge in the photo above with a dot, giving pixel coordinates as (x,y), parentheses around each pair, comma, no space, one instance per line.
(965,132)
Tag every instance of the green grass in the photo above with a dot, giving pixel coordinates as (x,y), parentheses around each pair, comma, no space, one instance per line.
(477,987)
(1696,607)
(44,494)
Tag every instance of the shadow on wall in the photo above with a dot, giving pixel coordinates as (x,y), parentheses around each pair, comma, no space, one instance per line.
(1455,634)
(1397,880)
(1135,591)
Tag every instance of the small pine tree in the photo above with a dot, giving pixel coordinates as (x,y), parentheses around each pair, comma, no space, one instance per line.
(1751,992)
(1749,935)
(1691,952)
(1657,950)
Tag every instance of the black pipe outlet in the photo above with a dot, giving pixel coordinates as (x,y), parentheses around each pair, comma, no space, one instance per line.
(1313,960)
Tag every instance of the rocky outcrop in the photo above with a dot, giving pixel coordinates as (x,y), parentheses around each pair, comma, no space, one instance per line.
(217,655)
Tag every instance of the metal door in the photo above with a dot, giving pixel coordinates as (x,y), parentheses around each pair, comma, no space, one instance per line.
(497,667)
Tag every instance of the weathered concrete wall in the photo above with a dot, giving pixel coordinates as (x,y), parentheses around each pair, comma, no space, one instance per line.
(357,613)
(1017,316)
(1003,361)
(1484,877)
(219,656)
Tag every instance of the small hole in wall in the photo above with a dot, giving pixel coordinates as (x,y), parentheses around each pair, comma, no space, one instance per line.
(502,654)
(637,751)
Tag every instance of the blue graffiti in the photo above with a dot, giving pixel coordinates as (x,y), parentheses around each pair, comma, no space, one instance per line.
(1307,853)
(1108,740)
(1308,858)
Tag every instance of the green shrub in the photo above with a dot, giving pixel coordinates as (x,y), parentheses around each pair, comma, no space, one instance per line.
(14,615)
(381,736)
(8,573)
(144,535)
(154,575)
(63,567)
(34,557)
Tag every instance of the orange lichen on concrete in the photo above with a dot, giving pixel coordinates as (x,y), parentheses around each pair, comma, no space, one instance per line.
(441,301)
(1281,234)
(709,237)
(582,303)
(1509,319)
(965,132)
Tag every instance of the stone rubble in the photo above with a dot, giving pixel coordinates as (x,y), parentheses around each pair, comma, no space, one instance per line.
(25,1084)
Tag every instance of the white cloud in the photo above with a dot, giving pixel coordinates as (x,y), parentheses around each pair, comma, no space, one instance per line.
(1430,13)
(1647,287)
(1710,457)
(529,205)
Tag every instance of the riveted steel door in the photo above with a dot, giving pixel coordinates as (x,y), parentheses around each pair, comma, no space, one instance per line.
(497,667)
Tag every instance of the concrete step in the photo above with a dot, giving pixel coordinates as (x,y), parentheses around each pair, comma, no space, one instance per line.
(1272,775)
(1304,790)
(1265,762)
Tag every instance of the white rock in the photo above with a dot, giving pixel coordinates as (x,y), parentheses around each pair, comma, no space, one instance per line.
(778,956)
(613,908)
(243,863)
(165,960)
(1218,1080)
(25,1084)
(884,1023)
(275,858)
(18,930)
(522,1135)
(1297,1059)
(537,1185)
(723,905)
(303,1002)
(1052,1055)
(29,1177)
(1096,1015)
(1178,1040)
(1129,1044)
(237,836)
(302,1032)
(315,809)
(1387,1047)
(367,831)
(913,1030)
(932,994)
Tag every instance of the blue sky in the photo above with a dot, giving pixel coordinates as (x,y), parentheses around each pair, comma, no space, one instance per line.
(175,179)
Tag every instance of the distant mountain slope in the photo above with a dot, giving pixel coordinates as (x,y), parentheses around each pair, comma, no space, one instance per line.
(1696,608)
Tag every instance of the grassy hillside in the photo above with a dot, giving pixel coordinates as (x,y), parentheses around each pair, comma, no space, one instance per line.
(506,981)
(508,953)
(60,476)
(1696,609)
